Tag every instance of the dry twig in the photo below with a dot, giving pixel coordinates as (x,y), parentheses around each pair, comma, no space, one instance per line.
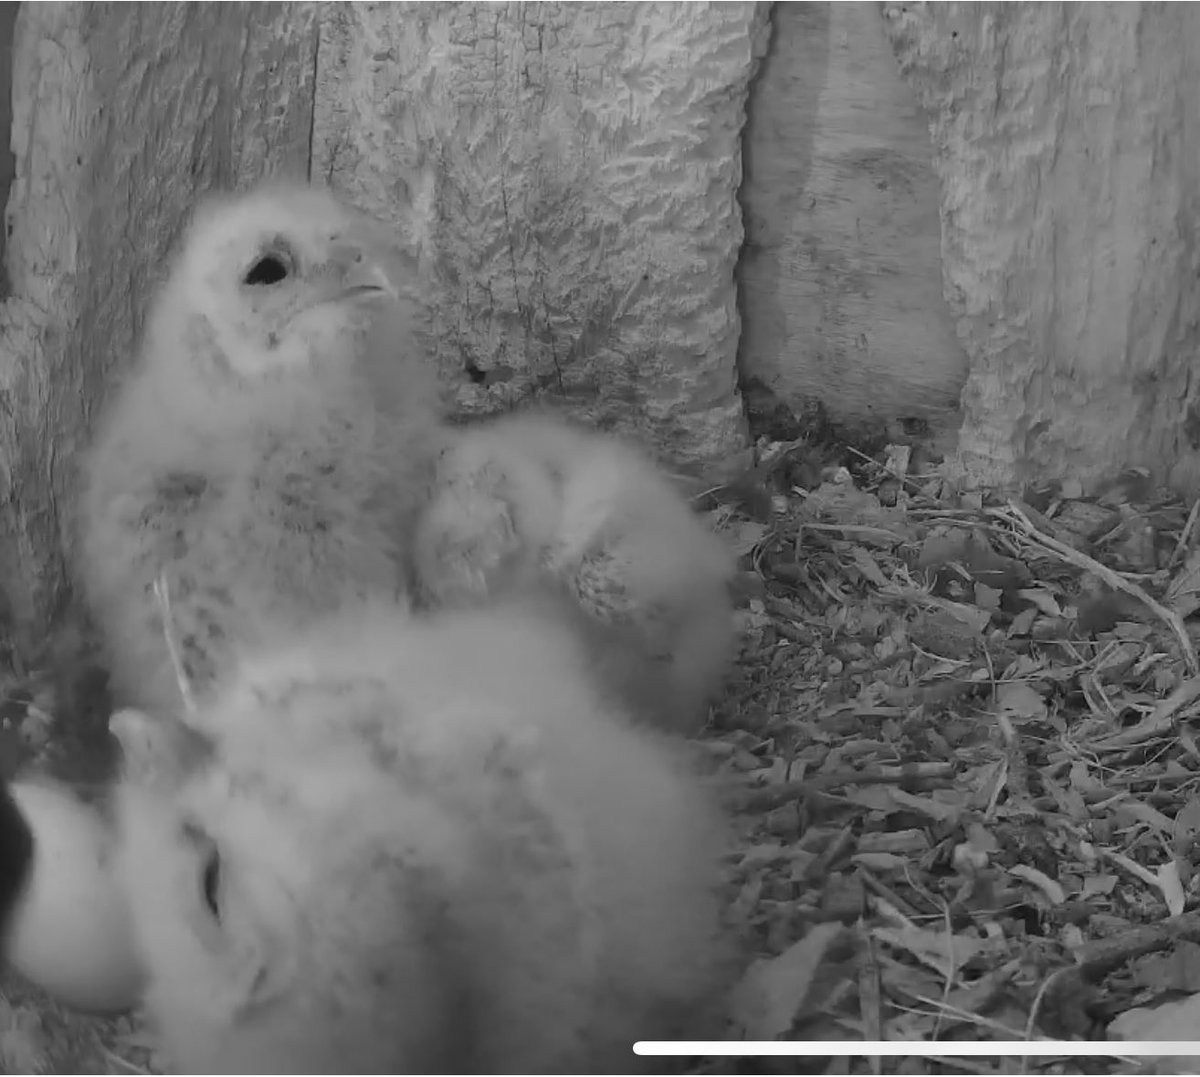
(1115,580)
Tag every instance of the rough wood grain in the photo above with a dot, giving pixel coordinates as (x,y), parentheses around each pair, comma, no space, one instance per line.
(575,167)
(841,273)
(1066,141)
(8,18)
(121,113)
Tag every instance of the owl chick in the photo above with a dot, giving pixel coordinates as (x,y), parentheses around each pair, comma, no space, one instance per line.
(247,457)
(530,501)
(447,866)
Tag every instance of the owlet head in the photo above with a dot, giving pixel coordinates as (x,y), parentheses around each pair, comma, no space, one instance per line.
(274,280)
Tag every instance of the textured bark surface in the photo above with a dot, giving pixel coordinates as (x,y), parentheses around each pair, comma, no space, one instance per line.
(576,168)
(1066,139)
(121,113)
(8,18)
(841,273)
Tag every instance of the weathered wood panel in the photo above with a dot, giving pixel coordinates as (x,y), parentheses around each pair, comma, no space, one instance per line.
(8,17)
(1066,141)
(575,168)
(121,112)
(841,273)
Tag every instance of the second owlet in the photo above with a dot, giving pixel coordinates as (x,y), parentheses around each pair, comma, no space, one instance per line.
(531,503)
(248,458)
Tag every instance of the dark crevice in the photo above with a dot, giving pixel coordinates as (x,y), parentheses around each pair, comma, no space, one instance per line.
(312,103)
(764,219)
(16,855)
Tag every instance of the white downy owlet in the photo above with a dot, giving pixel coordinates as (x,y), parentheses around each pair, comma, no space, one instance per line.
(246,458)
(530,502)
(443,867)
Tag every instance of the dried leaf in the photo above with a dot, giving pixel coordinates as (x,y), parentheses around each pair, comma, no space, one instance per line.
(868,566)
(1176,970)
(772,993)
(943,953)
(1172,888)
(882,862)
(1129,812)
(1171,1021)
(1098,884)
(988,598)
(1187,821)
(1052,890)
(1022,623)
(926,805)
(1019,701)
(1042,599)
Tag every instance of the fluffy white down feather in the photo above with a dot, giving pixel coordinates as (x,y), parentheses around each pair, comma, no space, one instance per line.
(458,860)
(248,455)
(531,501)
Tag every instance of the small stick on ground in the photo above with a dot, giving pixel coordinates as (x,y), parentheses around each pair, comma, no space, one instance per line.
(1157,723)
(1185,536)
(775,796)
(1114,579)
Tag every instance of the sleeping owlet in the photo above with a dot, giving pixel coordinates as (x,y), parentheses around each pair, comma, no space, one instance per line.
(444,867)
(530,502)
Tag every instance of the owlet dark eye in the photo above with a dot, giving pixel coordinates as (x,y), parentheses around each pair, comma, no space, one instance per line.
(210,871)
(211,881)
(269,269)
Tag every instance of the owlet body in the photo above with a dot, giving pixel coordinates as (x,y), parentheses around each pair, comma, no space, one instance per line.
(459,860)
(530,502)
(248,458)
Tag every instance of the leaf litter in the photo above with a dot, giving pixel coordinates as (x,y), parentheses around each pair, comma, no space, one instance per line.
(962,747)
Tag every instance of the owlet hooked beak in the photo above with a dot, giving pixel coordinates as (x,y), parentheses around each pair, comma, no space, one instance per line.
(355,277)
